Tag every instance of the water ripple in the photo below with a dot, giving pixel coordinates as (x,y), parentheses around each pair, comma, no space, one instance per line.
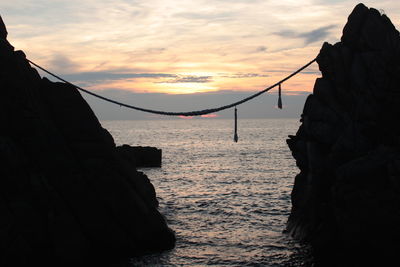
(227,202)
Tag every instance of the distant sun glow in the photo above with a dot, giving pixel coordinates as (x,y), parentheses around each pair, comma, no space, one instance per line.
(212,115)
(184,88)
(180,47)
(186,117)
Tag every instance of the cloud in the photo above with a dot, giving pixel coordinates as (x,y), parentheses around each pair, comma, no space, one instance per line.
(156,50)
(312,72)
(98,76)
(190,79)
(135,44)
(261,49)
(309,37)
(328,2)
(245,75)
(207,79)
(214,16)
(316,35)
(62,63)
(101,78)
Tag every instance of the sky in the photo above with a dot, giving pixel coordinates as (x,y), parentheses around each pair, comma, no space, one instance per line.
(181,55)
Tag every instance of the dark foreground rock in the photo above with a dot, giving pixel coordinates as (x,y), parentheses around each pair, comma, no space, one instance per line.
(346,198)
(141,156)
(66,196)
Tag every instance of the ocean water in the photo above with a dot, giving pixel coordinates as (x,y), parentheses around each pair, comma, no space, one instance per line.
(227,202)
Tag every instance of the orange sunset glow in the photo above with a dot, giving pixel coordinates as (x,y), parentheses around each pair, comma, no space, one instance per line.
(179,47)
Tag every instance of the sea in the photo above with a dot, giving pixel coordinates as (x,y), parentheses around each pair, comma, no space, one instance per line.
(228,203)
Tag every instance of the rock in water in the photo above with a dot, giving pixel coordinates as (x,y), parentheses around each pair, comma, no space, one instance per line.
(66,196)
(141,156)
(346,198)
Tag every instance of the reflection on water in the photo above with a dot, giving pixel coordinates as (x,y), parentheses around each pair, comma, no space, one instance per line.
(227,202)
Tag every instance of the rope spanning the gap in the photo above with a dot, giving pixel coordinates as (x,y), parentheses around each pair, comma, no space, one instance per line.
(167,113)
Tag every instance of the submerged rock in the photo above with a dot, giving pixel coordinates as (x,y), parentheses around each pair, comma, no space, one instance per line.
(66,196)
(346,198)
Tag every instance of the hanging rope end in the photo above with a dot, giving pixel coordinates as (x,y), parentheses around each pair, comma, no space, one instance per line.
(280,102)
(280,97)
(235,136)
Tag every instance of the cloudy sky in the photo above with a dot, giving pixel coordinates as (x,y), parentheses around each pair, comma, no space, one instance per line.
(151,52)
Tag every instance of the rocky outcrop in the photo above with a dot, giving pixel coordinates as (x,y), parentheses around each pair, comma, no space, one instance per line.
(347,194)
(141,156)
(66,196)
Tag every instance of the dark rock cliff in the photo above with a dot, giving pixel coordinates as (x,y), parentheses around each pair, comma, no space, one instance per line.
(346,198)
(66,195)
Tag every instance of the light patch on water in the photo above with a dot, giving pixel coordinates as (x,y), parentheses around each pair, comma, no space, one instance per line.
(227,202)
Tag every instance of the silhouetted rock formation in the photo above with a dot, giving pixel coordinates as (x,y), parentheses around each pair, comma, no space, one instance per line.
(66,195)
(347,194)
(141,156)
